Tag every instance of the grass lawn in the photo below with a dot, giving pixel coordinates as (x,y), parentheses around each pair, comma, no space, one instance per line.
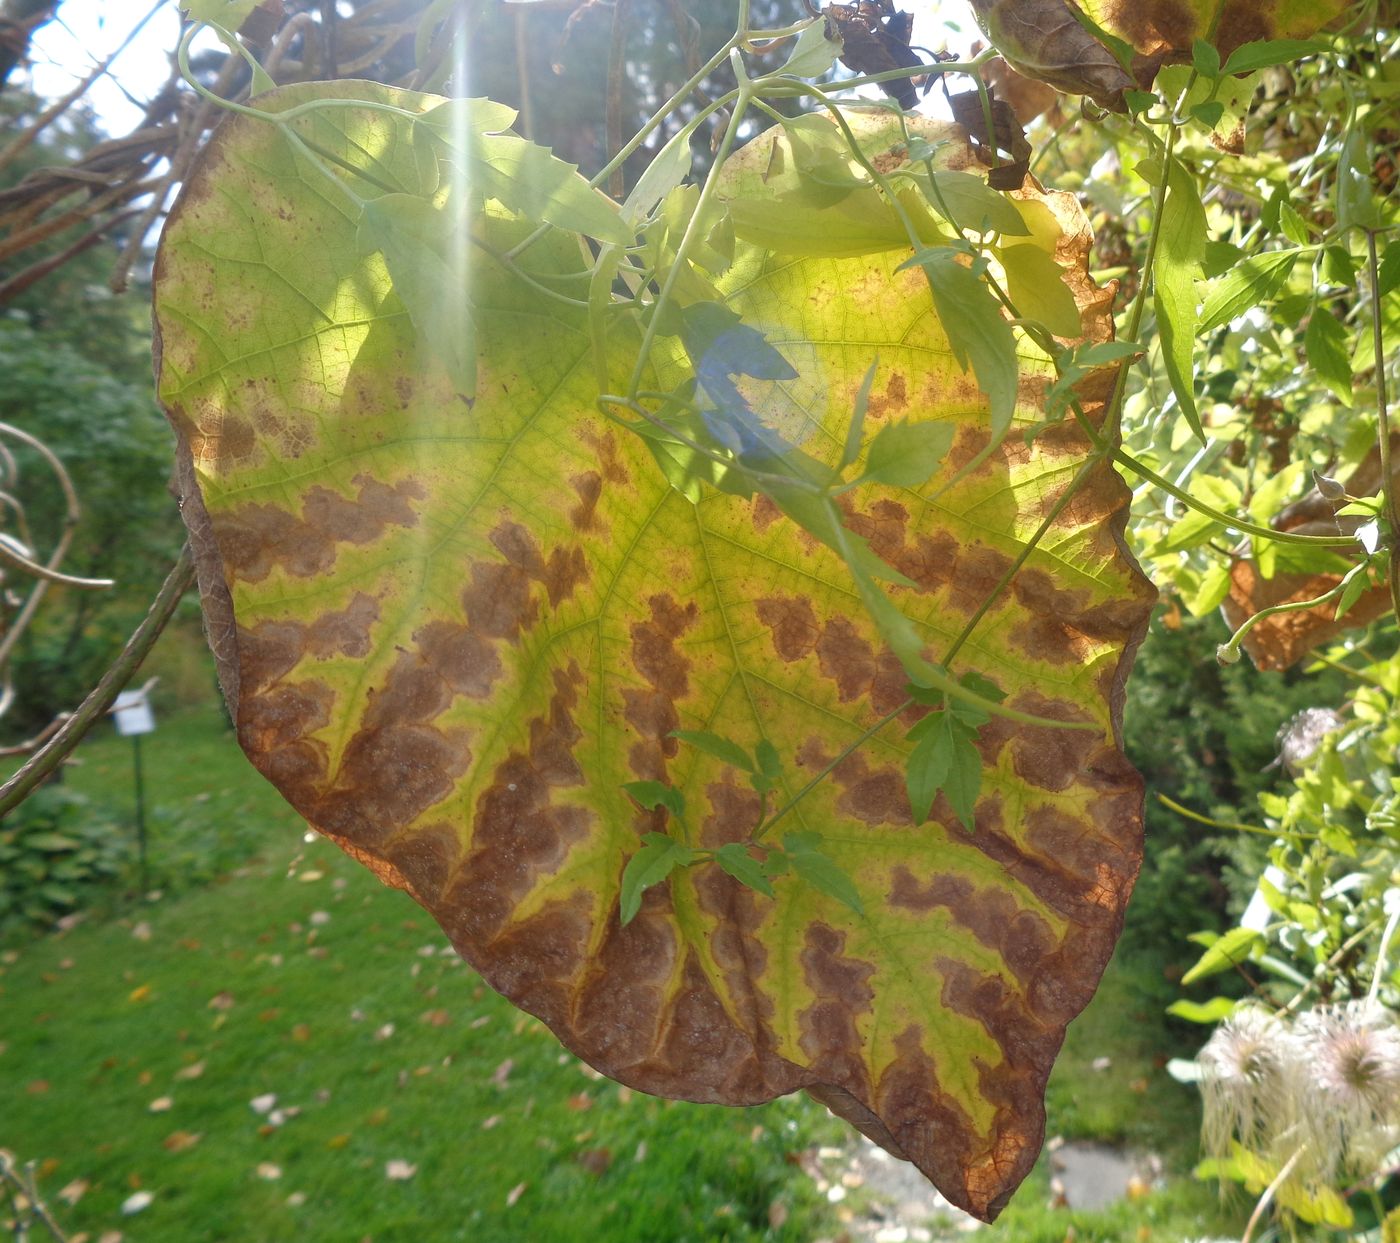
(143,1050)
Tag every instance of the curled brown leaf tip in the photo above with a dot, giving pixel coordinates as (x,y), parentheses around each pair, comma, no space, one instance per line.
(1043,39)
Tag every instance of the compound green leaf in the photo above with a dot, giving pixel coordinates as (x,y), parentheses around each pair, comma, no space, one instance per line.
(451,631)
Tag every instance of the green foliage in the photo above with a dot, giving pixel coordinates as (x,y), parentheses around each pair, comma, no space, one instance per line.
(115,445)
(58,851)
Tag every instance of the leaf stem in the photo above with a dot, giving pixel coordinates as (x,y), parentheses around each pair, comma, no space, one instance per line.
(1233,825)
(1126,459)
(830,768)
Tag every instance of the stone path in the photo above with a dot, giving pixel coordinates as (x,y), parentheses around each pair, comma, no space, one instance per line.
(883,1200)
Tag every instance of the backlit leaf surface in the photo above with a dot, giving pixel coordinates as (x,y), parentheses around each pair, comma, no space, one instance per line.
(450,630)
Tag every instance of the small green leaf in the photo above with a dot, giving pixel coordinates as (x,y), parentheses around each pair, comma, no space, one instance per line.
(813,54)
(1140,101)
(1356,585)
(1211,591)
(654,794)
(1205,57)
(964,781)
(1356,200)
(929,764)
(654,862)
(972,715)
(907,455)
(1265,53)
(855,433)
(529,179)
(820,870)
(455,122)
(230,14)
(1389,272)
(720,748)
(1328,356)
(1211,1011)
(1225,952)
(667,171)
(977,333)
(1180,249)
(770,764)
(1209,113)
(735,859)
(1220,257)
(1294,228)
(1254,281)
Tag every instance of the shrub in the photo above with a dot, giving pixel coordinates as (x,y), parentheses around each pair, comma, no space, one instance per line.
(57,852)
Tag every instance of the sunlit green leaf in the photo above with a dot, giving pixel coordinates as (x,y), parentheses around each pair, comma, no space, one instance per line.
(1328,354)
(813,53)
(1180,249)
(905,455)
(1253,282)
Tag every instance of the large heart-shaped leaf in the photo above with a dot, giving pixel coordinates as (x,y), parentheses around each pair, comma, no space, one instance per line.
(451,629)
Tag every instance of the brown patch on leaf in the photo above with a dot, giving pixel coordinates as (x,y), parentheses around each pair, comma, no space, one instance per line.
(589,487)
(255,539)
(1021,937)
(893,401)
(842,996)
(765,512)
(655,656)
(793,623)
(519,833)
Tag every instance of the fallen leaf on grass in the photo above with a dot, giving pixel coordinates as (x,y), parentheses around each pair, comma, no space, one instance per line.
(579,1102)
(161,1104)
(111,1236)
(320,918)
(301,1033)
(515,1193)
(493,1121)
(435,1018)
(296,1199)
(142,931)
(384,1031)
(221,1001)
(74,1191)
(135,1202)
(481,1022)
(337,1142)
(502,1072)
(399,1171)
(37,1087)
(192,1071)
(179,1141)
(595,1160)
(261,1104)
(140,993)
(268,1171)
